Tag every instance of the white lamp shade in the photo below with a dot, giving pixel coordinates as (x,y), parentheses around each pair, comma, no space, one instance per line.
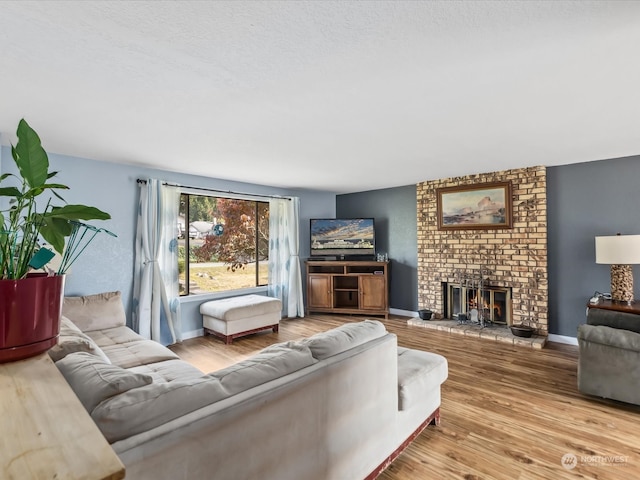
(618,250)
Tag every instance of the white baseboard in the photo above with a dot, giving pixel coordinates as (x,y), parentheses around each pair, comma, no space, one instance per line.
(404,313)
(193,334)
(562,339)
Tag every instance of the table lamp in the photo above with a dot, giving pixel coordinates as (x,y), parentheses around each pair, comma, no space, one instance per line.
(619,251)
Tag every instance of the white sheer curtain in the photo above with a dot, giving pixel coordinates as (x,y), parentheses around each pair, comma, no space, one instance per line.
(285,278)
(156,300)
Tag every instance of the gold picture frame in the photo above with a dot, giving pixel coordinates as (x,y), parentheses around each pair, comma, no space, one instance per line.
(482,206)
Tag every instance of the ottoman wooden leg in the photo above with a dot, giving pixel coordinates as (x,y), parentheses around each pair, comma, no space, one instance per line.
(275,328)
(227,338)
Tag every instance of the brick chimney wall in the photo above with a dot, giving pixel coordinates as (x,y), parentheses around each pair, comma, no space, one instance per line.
(515,257)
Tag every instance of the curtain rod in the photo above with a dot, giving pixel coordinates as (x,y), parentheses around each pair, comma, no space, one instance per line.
(142,181)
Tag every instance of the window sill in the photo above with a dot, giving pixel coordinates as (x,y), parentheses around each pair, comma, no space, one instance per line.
(203,297)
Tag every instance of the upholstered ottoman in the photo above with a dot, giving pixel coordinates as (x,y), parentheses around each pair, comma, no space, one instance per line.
(234,317)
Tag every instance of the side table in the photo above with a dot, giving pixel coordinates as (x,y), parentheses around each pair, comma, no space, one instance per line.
(46,432)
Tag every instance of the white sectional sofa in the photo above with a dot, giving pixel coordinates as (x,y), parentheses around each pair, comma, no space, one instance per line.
(338,405)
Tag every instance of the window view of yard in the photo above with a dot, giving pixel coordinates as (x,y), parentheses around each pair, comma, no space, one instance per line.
(217,277)
(223,246)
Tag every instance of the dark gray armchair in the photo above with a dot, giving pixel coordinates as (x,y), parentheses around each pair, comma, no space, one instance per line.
(609,362)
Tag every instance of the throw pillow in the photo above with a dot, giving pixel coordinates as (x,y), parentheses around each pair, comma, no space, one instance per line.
(93,380)
(95,312)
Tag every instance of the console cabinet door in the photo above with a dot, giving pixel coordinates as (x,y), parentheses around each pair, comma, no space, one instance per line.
(373,292)
(319,291)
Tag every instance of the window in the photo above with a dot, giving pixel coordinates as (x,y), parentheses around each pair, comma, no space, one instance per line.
(223,244)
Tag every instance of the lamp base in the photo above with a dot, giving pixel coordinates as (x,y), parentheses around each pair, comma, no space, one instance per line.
(621,283)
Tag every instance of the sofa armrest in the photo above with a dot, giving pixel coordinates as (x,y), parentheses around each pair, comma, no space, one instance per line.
(609,363)
(611,337)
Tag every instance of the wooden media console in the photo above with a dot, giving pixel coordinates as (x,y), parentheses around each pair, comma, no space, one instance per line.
(351,287)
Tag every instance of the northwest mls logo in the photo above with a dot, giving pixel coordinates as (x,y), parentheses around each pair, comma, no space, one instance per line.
(569,461)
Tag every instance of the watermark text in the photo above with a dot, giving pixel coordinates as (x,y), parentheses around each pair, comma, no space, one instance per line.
(571,461)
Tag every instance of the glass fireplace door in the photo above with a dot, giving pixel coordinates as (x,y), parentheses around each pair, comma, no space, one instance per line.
(492,301)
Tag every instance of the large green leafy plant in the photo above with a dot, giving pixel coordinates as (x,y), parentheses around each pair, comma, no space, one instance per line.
(25,223)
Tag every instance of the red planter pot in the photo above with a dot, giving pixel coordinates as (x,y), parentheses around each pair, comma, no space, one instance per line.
(30,311)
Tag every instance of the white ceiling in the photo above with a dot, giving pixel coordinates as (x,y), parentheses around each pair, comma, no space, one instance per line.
(343,96)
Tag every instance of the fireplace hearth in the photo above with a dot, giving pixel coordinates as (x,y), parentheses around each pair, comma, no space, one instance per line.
(495,333)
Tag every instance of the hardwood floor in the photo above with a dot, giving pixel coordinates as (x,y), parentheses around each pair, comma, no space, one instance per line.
(507,412)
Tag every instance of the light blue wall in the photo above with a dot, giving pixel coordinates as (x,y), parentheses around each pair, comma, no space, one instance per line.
(394,210)
(107,264)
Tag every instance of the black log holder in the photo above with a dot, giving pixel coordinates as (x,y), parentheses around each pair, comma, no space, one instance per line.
(525,331)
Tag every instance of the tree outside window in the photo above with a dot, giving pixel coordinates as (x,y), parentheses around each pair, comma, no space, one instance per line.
(224,244)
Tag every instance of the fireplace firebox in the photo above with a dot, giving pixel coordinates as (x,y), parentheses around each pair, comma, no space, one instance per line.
(489,303)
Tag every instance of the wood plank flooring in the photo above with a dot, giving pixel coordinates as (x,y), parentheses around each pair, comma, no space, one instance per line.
(507,412)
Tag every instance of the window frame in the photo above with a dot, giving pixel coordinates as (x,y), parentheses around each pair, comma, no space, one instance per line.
(221,293)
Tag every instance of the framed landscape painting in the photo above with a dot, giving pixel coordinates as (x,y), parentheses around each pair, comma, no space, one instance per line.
(482,206)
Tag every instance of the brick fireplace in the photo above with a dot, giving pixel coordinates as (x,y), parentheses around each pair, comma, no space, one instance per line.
(514,259)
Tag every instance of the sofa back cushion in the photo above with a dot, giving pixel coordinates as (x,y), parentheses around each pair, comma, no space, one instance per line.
(613,319)
(93,380)
(350,335)
(271,363)
(95,312)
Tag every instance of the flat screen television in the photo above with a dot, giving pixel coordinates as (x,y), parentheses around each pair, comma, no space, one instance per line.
(342,237)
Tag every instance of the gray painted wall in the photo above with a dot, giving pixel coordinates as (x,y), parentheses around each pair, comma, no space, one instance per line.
(394,210)
(107,264)
(586,200)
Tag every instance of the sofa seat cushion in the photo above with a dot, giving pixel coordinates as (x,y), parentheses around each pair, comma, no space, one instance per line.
(142,409)
(326,344)
(95,312)
(419,374)
(71,340)
(93,381)
(140,352)
(168,371)
(114,336)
